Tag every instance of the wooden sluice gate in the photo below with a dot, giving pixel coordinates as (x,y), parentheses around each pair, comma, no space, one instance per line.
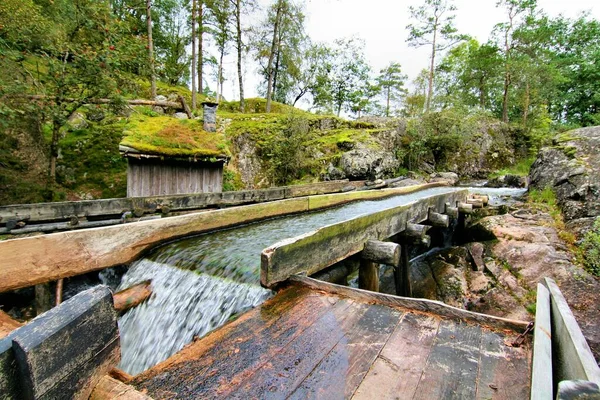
(314,339)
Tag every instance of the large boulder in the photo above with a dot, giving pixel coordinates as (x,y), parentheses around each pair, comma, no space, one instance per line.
(367,164)
(571,167)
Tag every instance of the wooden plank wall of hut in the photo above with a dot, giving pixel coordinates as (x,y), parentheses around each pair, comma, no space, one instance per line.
(158,178)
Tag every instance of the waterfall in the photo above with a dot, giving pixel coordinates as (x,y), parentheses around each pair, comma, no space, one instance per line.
(183,304)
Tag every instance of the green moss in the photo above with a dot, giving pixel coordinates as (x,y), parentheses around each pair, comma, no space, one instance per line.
(258,106)
(519,168)
(173,137)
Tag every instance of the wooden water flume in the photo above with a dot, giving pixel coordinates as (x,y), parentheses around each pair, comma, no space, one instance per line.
(313,336)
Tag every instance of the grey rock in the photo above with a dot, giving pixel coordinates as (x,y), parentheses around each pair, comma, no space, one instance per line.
(77,121)
(160,97)
(572,169)
(158,110)
(334,173)
(180,115)
(367,164)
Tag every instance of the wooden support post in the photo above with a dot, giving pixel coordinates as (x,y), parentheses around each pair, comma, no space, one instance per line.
(452,212)
(368,275)
(402,274)
(475,203)
(464,208)
(186,108)
(43,298)
(131,297)
(59,291)
(382,252)
(437,219)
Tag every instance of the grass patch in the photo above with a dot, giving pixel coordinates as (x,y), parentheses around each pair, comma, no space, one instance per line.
(520,168)
(173,137)
(591,249)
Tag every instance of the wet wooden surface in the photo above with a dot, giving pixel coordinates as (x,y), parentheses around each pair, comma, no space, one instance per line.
(306,343)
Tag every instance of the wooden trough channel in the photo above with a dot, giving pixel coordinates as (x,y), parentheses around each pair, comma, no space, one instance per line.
(313,339)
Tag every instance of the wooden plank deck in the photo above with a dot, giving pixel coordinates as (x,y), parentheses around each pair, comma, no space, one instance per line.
(307,343)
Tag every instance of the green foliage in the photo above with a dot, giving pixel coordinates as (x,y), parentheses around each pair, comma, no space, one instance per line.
(520,168)
(257,106)
(232,180)
(174,137)
(287,157)
(591,249)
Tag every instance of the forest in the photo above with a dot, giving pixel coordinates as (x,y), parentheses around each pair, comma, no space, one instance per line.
(537,75)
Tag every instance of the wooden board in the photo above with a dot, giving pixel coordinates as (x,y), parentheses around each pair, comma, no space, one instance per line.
(424,305)
(307,343)
(400,365)
(541,375)
(317,250)
(451,371)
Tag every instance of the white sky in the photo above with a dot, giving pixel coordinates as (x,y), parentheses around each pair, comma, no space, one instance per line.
(382,24)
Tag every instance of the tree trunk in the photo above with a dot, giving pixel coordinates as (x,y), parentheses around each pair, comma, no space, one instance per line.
(432,67)
(274,94)
(526,103)
(506,94)
(220,76)
(194,58)
(270,71)
(387,107)
(481,93)
(150,48)
(238,18)
(200,35)
(53,152)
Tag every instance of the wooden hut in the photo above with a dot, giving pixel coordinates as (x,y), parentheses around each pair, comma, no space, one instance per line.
(166,155)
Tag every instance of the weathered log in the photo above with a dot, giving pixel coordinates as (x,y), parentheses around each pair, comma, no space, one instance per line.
(475,203)
(382,252)
(339,273)
(464,208)
(484,198)
(135,102)
(450,211)
(7,324)
(415,231)
(185,107)
(109,388)
(402,273)
(368,275)
(437,219)
(133,296)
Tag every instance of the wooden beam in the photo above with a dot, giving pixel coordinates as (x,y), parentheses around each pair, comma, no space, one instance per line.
(185,107)
(452,212)
(475,203)
(484,198)
(464,208)
(424,305)
(109,388)
(133,296)
(438,219)
(415,231)
(317,250)
(368,275)
(7,324)
(136,102)
(402,274)
(382,252)
(577,360)
(542,385)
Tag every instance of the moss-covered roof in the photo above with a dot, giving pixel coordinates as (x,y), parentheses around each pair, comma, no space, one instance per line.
(169,136)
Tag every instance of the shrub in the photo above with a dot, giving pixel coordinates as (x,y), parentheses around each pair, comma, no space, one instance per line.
(591,249)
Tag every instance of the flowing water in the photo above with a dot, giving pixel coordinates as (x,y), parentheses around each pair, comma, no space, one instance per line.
(200,282)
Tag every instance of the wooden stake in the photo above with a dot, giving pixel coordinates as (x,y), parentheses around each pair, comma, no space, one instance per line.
(59,291)
(133,296)
(475,203)
(464,208)
(437,219)
(186,108)
(452,212)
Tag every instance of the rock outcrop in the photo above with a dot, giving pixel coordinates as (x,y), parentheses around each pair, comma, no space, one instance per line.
(571,167)
(367,164)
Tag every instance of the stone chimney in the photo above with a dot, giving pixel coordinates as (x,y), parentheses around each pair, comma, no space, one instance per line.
(210,116)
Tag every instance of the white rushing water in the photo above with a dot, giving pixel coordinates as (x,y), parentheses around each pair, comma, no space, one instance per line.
(183,304)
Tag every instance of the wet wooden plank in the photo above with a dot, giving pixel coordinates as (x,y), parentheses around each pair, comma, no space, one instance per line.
(343,369)
(217,364)
(397,371)
(451,371)
(431,306)
(287,368)
(504,371)
(111,389)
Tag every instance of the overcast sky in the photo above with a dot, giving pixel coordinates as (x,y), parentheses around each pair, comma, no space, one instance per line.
(382,25)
